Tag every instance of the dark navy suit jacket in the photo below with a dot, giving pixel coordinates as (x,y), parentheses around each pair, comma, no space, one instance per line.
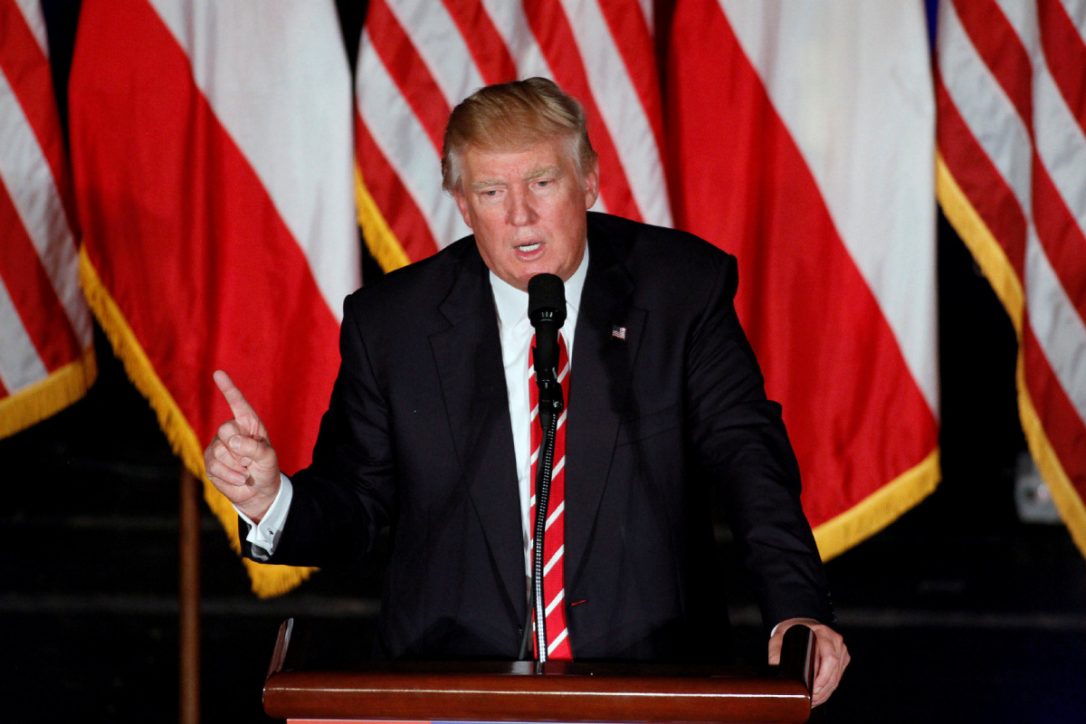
(666,421)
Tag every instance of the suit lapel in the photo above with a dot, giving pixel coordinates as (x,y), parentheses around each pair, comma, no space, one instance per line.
(469,362)
(607,340)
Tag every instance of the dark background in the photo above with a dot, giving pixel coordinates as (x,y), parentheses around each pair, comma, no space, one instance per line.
(958,612)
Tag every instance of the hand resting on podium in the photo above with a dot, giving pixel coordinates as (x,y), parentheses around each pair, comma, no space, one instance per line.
(831,655)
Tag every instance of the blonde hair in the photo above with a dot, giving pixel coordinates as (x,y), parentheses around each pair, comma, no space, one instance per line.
(510,116)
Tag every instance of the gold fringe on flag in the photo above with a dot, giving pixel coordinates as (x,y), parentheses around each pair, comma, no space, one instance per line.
(49,395)
(879,509)
(997,268)
(266,580)
(382,243)
(1071,506)
(978,238)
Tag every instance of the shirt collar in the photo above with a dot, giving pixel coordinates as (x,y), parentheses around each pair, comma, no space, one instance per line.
(512,303)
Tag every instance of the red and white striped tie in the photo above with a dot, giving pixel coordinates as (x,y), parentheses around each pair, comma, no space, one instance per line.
(554,589)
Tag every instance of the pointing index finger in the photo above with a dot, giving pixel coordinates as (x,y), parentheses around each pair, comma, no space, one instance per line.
(243,412)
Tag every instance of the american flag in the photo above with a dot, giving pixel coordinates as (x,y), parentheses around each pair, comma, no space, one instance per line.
(419,58)
(795,137)
(211,148)
(1011,90)
(798,136)
(802,138)
(46,354)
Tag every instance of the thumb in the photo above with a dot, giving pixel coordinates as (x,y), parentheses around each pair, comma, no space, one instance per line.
(775,648)
(253,451)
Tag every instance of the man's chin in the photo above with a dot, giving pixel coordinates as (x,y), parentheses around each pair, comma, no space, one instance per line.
(520,273)
(526,272)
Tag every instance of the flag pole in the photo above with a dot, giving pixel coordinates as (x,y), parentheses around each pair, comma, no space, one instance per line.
(189,598)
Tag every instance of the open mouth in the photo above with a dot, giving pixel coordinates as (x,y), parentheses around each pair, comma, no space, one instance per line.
(528,248)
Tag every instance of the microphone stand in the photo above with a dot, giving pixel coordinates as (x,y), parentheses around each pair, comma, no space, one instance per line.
(551,405)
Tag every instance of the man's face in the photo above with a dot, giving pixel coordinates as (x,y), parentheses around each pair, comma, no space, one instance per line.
(527,208)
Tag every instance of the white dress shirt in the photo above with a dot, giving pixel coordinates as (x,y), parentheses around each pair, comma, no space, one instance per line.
(515,333)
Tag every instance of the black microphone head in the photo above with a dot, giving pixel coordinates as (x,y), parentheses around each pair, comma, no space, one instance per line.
(546,300)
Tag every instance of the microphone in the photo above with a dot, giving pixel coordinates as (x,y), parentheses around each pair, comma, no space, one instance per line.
(547,313)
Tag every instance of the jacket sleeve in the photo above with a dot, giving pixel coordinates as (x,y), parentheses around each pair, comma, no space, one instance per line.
(346,496)
(740,444)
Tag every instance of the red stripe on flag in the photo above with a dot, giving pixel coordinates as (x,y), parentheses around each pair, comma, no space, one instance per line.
(555,38)
(403,216)
(199,262)
(31,291)
(408,70)
(634,40)
(486,45)
(1062,239)
(980,180)
(1002,51)
(1065,53)
(1005,55)
(1055,429)
(856,417)
(1065,429)
(26,68)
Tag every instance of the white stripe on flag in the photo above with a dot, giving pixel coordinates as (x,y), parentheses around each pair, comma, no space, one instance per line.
(1076,10)
(19,362)
(1002,134)
(512,26)
(32,188)
(984,106)
(400,136)
(1059,137)
(31,11)
(263,97)
(808,64)
(437,39)
(620,106)
(647,11)
(1057,326)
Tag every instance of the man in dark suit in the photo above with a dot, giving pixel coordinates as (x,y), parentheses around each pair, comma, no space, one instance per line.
(426,428)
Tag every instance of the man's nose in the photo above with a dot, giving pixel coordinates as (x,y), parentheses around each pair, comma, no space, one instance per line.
(521,210)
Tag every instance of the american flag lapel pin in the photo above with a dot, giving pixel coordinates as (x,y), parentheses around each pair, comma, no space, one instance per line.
(618,332)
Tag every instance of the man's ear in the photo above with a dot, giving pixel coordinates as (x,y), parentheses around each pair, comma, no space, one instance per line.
(592,185)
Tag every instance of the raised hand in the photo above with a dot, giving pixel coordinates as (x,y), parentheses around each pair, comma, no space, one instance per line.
(240,461)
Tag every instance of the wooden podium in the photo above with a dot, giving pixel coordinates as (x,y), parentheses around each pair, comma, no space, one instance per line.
(523,691)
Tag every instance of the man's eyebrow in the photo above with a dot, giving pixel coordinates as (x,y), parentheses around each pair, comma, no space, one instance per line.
(486,183)
(535,173)
(544,171)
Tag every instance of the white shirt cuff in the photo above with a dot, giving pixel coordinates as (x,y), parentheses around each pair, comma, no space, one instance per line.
(264,536)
